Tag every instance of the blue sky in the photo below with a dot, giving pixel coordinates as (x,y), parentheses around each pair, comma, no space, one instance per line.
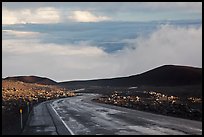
(72,41)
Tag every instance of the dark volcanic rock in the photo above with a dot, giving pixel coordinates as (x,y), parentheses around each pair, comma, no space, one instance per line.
(167,75)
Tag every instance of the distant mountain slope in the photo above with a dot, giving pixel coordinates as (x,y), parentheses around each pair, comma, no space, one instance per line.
(172,75)
(32,79)
(167,75)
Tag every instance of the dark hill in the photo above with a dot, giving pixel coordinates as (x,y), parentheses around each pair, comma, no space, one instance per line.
(167,75)
(32,79)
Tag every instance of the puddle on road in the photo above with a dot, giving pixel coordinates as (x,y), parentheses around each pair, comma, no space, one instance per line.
(49,129)
(101,110)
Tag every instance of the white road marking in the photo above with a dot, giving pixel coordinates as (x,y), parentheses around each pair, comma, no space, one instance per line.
(72,133)
(100,116)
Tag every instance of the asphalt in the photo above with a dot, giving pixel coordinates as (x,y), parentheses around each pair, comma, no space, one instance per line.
(40,122)
(80,116)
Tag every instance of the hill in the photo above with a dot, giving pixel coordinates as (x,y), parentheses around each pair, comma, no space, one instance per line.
(167,75)
(32,79)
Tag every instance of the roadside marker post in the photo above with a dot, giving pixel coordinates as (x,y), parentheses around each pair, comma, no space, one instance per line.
(21,111)
(28,106)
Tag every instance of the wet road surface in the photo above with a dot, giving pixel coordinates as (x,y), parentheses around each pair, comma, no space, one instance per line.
(80,116)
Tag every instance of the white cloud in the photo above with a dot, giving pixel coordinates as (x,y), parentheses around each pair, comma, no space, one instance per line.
(8,17)
(51,60)
(86,16)
(20,47)
(21,33)
(22,16)
(47,15)
(50,12)
(167,45)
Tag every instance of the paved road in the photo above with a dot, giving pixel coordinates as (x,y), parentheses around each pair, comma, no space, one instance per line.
(80,116)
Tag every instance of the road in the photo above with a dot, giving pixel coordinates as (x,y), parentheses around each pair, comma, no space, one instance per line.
(80,116)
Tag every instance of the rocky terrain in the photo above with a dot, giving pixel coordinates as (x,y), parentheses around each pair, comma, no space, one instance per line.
(18,95)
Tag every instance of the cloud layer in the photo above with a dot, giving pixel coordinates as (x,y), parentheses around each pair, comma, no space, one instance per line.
(40,15)
(167,45)
(47,15)
(20,33)
(54,12)
(69,41)
(86,16)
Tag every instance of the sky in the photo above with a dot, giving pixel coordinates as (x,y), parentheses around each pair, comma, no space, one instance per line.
(89,40)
